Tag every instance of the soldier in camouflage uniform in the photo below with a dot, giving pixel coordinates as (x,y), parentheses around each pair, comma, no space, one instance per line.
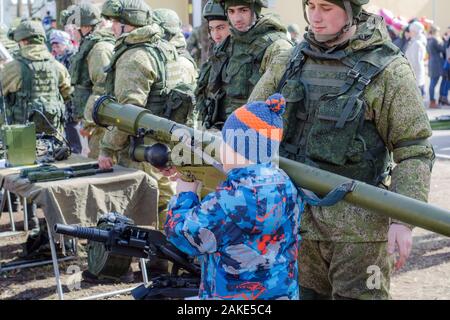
(143,71)
(194,45)
(169,21)
(352,105)
(209,88)
(35,85)
(256,40)
(87,68)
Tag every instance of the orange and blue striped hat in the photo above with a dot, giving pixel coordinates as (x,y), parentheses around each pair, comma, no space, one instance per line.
(255,130)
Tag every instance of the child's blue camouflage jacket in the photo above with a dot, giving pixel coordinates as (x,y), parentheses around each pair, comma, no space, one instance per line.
(247,233)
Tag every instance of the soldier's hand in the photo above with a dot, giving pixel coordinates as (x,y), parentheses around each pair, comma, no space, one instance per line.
(400,237)
(105,162)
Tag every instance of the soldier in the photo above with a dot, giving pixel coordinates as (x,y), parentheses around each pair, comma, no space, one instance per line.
(87,68)
(255,41)
(209,89)
(169,21)
(143,71)
(194,45)
(346,115)
(35,85)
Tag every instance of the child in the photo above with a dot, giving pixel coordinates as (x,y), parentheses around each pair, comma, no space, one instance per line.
(248,230)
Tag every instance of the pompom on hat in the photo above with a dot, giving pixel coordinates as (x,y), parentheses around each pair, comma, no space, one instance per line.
(255,130)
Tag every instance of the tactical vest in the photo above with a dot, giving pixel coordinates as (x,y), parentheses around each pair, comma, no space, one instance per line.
(243,70)
(210,91)
(79,73)
(168,97)
(38,97)
(326,124)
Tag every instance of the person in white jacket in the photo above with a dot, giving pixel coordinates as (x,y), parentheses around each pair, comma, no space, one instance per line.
(415,53)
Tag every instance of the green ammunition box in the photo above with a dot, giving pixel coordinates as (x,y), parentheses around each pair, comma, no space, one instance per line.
(19,143)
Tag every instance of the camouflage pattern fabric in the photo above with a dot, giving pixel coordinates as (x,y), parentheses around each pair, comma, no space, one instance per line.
(246,234)
(12,81)
(135,74)
(399,116)
(344,270)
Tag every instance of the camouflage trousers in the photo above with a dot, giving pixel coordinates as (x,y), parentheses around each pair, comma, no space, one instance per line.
(94,141)
(166,188)
(344,270)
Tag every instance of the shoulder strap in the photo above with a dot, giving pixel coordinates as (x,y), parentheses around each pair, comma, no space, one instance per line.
(295,64)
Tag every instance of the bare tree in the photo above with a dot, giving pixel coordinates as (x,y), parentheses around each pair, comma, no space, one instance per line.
(61,5)
(30,8)
(19,8)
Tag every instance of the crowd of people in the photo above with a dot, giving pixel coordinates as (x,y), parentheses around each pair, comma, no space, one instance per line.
(420,44)
(314,100)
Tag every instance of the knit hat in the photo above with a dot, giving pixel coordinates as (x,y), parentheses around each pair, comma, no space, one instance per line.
(255,130)
(61,37)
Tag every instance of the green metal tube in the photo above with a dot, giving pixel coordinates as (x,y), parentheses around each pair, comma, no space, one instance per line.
(132,119)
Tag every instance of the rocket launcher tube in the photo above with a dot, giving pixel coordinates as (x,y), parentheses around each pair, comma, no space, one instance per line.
(132,119)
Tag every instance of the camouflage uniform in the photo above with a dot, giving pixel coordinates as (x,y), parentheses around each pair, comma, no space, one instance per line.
(169,21)
(209,90)
(194,45)
(35,80)
(143,68)
(249,55)
(246,252)
(87,70)
(349,110)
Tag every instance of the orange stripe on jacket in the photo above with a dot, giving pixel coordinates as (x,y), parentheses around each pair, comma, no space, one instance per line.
(255,123)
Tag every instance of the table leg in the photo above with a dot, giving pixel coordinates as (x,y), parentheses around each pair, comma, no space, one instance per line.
(55,264)
(11,216)
(25,214)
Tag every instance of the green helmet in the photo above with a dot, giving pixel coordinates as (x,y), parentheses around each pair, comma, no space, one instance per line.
(28,29)
(353,9)
(356,5)
(213,11)
(84,14)
(131,12)
(168,20)
(256,5)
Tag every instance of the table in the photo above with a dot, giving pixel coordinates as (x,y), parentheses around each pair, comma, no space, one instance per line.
(82,200)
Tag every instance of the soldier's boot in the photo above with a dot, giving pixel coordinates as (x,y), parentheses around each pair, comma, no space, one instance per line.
(433,104)
(310,294)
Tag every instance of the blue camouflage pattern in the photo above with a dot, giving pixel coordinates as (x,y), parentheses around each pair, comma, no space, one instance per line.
(246,234)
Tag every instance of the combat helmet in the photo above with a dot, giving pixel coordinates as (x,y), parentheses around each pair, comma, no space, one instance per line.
(255,5)
(353,9)
(131,12)
(29,29)
(214,11)
(168,20)
(84,14)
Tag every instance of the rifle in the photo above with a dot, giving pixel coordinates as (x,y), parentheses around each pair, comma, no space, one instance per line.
(52,173)
(126,239)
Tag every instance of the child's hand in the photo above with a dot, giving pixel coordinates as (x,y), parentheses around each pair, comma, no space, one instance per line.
(170,173)
(183,186)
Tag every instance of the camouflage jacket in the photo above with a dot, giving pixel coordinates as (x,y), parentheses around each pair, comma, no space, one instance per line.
(394,107)
(136,71)
(11,76)
(246,232)
(97,60)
